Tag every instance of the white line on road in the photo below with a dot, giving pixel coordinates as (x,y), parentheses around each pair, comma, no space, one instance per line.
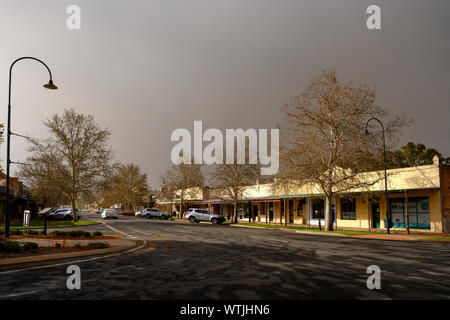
(72,262)
(118,231)
(20,294)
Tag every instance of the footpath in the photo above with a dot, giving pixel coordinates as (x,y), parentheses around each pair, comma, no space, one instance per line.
(381,236)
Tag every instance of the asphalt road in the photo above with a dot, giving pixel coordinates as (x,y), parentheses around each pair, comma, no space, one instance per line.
(203,261)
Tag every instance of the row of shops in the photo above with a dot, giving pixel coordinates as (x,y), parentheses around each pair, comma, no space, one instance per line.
(418,197)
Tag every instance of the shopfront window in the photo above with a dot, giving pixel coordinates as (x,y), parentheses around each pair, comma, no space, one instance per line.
(418,211)
(318,207)
(300,203)
(348,209)
(271,210)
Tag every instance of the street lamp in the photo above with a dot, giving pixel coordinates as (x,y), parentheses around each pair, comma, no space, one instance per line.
(388,220)
(49,85)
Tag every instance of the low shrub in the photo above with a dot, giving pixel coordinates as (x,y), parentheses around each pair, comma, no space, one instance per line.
(30,246)
(97,234)
(98,245)
(16,232)
(32,232)
(11,246)
(78,246)
(57,245)
(59,233)
(72,234)
(79,233)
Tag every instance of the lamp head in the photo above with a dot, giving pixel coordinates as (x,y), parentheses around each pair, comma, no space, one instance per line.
(50,85)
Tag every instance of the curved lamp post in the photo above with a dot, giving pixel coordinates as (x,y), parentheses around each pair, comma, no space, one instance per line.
(385,173)
(48,85)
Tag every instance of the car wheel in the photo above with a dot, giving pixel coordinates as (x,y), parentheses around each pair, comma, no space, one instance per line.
(67,218)
(214,221)
(192,219)
(147,216)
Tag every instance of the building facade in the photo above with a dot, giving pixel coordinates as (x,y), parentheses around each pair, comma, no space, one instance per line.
(418,199)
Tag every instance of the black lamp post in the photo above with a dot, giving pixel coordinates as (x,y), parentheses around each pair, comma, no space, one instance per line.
(49,85)
(388,220)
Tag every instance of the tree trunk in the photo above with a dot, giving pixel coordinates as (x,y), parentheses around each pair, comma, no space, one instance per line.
(180,214)
(235,220)
(74,210)
(328,214)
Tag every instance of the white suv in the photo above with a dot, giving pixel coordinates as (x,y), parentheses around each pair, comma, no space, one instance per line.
(109,213)
(197,215)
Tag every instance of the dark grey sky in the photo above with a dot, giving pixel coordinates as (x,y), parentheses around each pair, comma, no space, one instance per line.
(145,68)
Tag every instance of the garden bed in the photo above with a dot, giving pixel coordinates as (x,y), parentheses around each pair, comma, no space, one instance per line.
(15,249)
(58,234)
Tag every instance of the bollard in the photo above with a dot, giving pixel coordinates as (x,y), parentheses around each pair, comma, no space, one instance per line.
(320,226)
(45,224)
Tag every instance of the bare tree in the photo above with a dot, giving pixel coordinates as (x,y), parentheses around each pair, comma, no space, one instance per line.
(74,159)
(129,185)
(182,181)
(41,188)
(232,179)
(322,136)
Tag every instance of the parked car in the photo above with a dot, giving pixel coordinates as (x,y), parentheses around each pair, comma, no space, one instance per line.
(197,215)
(63,214)
(155,213)
(128,213)
(140,214)
(98,211)
(109,213)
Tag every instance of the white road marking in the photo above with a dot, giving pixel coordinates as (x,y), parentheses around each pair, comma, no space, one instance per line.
(71,262)
(119,231)
(20,294)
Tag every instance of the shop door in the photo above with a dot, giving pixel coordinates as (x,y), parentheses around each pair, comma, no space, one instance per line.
(291,211)
(376,215)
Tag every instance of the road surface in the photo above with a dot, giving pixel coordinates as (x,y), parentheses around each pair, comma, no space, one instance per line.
(204,261)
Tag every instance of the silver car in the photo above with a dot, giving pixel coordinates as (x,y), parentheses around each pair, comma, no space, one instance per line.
(154,213)
(62,214)
(197,215)
(109,213)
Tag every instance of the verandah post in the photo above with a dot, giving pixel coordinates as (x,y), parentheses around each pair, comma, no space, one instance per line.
(407,212)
